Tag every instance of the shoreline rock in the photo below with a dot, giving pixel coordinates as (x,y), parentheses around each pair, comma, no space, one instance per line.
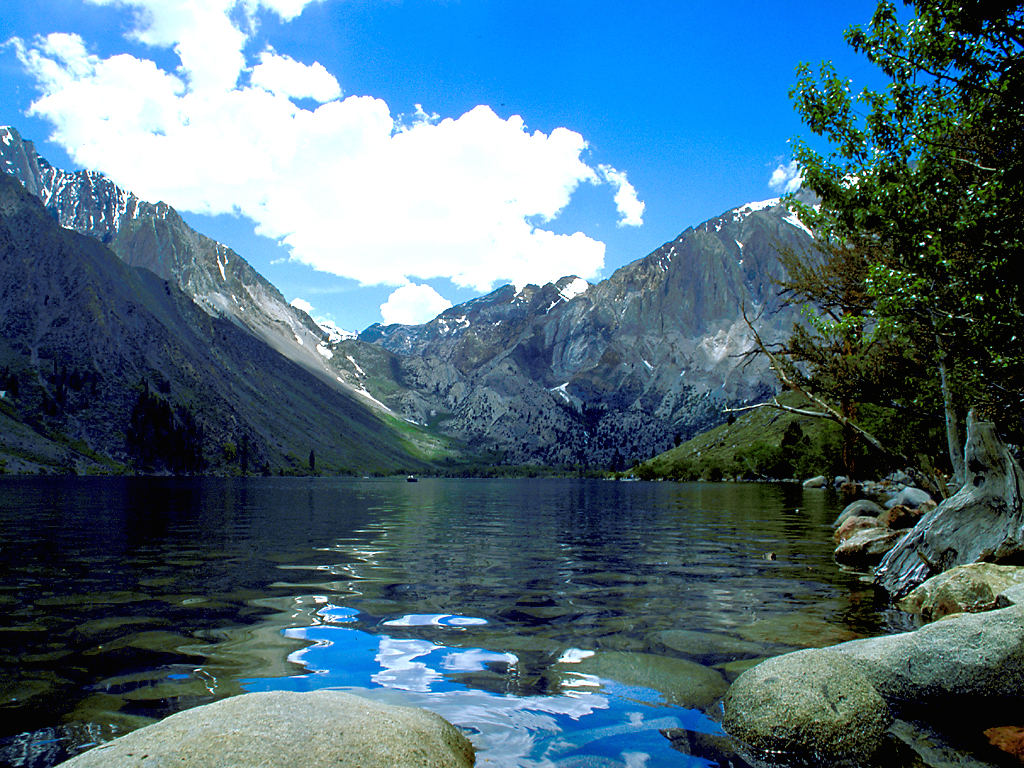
(289,730)
(968,668)
(982,522)
(968,588)
(812,706)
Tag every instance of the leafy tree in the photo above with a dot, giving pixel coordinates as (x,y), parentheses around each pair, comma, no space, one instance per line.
(927,176)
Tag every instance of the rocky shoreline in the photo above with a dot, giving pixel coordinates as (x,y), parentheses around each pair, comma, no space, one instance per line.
(837,705)
(954,567)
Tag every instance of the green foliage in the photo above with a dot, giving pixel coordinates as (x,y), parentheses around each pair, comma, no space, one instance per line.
(763,444)
(928,174)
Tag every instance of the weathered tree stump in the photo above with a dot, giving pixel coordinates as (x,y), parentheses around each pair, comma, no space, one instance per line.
(983,522)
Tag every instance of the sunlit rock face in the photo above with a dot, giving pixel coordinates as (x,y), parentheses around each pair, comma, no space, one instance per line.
(606,373)
(153,236)
(126,370)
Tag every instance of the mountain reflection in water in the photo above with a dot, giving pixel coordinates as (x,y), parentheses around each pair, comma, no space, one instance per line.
(558,622)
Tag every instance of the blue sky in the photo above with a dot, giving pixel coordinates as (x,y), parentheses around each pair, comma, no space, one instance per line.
(410,153)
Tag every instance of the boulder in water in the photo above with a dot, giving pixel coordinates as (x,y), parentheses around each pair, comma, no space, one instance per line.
(867,547)
(966,588)
(811,706)
(860,508)
(973,661)
(289,730)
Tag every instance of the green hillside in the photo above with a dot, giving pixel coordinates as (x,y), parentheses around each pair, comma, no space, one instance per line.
(764,443)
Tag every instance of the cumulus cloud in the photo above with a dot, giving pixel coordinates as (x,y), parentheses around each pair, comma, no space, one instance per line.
(284,76)
(786,178)
(413,304)
(302,304)
(347,187)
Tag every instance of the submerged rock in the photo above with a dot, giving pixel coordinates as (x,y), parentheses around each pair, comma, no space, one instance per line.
(683,683)
(710,645)
(811,706)
(796,629)
(289,730)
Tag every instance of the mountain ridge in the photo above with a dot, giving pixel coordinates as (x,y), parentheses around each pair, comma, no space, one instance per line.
(568,373)
(87,340)
(644,358)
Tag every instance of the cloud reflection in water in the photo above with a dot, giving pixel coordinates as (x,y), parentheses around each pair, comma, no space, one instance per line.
(589,723)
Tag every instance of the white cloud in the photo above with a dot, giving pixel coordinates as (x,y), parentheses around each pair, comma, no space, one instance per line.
(413,304)
(284,76)
(348,188)
(302,304)
(631,209)
(786,178)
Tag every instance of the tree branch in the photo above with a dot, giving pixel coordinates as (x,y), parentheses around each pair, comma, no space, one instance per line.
(827,411)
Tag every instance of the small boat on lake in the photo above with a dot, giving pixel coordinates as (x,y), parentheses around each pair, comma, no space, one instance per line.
(411,479)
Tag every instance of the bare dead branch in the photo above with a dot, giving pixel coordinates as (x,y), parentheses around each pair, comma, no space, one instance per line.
(827,411)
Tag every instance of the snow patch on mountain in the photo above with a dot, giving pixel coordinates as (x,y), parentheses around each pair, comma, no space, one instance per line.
(359,370)
(793,219)
(745,210)
(334,333)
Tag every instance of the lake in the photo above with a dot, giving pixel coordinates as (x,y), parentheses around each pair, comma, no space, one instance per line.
(556,622)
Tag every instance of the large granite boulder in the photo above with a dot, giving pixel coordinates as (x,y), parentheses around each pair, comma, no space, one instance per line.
(971,661)
(809,707)
(289,730)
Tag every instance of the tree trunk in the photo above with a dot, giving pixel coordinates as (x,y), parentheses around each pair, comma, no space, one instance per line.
(956,450)
(983,522)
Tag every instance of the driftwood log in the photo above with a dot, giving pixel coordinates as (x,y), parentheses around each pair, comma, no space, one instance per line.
(983,522)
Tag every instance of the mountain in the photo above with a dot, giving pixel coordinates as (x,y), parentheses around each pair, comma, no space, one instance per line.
(155,237)
(567,373)
(605,374)
(103,363)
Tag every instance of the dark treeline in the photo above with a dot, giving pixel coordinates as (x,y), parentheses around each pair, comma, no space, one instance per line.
(160,437)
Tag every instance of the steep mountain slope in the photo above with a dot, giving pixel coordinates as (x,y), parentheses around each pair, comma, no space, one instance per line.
(603,374)
(154,236)
(93,351)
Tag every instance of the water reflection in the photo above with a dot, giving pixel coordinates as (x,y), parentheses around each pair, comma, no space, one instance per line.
(585,720)
(128,599)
